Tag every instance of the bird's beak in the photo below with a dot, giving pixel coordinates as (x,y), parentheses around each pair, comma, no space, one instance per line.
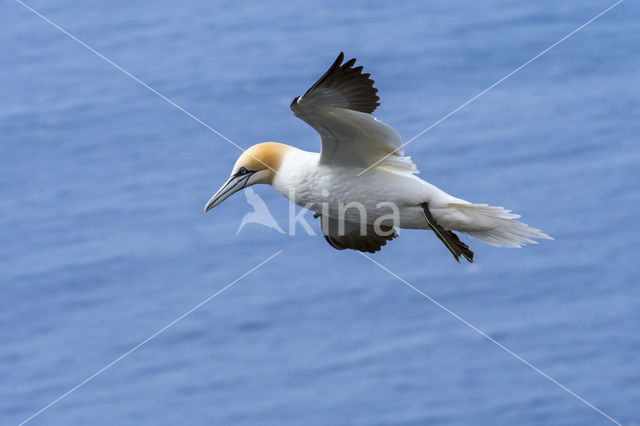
(231,186)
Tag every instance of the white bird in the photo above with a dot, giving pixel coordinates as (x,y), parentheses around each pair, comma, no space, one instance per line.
(260,213)
(360,211)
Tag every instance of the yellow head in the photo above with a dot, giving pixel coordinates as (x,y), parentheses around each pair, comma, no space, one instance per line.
(258,164)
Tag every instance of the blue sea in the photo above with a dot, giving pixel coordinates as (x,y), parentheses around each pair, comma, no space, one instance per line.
(104,239)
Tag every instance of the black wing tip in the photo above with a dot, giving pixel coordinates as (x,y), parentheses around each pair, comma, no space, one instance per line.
(337,63)
(350,63)
(344,76)
(355,72)
(293,102)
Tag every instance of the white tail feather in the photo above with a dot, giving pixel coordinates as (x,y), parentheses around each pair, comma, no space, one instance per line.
(496,226)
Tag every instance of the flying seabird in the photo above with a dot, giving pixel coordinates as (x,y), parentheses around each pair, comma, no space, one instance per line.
(360,211)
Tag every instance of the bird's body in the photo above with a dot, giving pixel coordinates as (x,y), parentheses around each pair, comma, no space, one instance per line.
(304,180)
(361,184)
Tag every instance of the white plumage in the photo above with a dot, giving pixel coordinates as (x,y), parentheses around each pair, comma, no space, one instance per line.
(339,106)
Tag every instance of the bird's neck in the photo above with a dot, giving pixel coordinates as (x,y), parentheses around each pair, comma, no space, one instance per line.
(296,171)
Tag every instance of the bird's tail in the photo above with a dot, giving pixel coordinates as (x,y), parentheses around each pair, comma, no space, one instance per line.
(496,226)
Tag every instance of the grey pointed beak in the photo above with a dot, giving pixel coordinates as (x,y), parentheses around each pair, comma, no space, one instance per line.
(232,185)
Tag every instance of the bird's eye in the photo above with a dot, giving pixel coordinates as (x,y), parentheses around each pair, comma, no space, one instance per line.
(243,171)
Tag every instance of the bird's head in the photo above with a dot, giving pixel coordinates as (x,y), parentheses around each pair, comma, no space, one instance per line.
(258,164)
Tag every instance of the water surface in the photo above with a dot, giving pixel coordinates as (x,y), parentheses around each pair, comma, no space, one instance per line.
(102,185)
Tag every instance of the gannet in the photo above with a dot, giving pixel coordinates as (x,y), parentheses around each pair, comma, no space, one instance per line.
(361,211)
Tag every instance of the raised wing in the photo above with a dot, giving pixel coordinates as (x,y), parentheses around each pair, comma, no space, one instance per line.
(339,106)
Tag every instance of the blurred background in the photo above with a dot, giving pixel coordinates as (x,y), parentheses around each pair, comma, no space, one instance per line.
(104,242)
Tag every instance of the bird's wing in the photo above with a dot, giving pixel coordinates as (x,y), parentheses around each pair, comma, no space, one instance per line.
(339,106)
(352,237)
